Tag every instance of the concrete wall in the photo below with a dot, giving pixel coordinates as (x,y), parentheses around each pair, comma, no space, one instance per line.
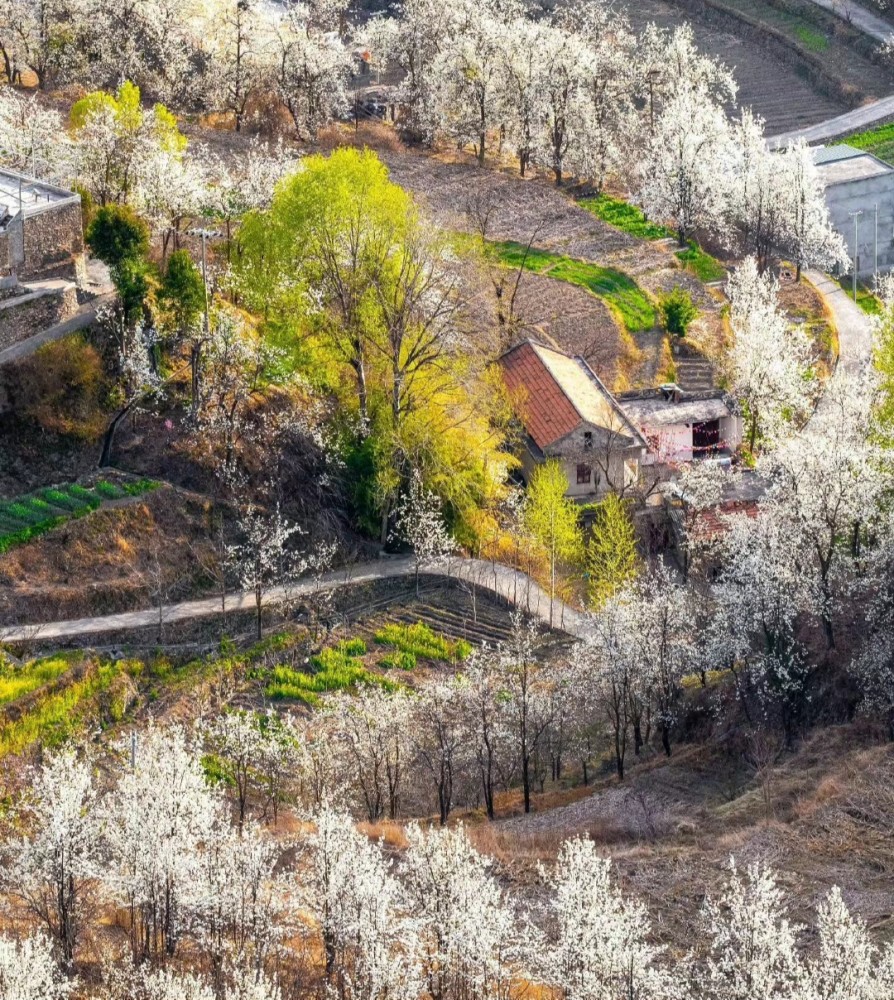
(864,195)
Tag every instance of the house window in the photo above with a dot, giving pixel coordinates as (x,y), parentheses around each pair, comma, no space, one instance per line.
(584,474)
(588,439)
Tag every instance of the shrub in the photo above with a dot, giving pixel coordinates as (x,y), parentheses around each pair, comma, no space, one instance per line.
(116,234)
(353,647)
(677,311)
(61,388)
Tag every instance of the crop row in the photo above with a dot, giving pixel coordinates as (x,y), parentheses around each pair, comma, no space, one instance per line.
(32,515)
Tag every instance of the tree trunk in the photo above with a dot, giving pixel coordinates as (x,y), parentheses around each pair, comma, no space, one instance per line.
(105,458)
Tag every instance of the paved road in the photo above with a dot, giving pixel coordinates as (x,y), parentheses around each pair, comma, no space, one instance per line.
(509,584)
(867,22)
(860,118)
(854,325)
(833,128)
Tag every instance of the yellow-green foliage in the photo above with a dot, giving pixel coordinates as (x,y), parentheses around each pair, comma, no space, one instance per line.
(612,558)
(53,719)
(443,411)
(551,517)
(335,668)
(420,641)
(15,682)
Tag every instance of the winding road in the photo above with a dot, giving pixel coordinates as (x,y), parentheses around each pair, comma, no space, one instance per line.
(859,118)
(512,585)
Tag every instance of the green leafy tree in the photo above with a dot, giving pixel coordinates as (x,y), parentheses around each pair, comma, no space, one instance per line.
(363,293)
(181,300)
(120,239)
(553,520)
(116,233)
(612,557)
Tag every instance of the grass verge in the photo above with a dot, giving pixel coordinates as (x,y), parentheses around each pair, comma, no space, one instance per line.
(624,216)
(623,295)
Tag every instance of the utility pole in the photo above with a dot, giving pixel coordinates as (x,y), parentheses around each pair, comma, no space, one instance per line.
(875,269)
(196,350)
(205,235)
(856,217)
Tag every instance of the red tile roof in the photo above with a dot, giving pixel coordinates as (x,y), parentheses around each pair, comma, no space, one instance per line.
(547,413)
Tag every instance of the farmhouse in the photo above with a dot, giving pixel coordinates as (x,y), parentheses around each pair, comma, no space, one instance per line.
(860,197)
(41,233)
(683,426)
(569,415)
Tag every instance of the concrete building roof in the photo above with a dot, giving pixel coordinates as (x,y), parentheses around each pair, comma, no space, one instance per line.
(557,393)
(654,408)
(35,196)
(846,164)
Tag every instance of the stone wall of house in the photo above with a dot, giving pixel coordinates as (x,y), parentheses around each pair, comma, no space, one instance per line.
(54,243)
(25,315)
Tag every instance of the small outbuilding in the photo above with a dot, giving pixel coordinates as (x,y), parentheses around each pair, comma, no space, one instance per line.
(680,426)
(41,230)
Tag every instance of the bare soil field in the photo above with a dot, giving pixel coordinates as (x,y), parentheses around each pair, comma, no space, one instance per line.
(776,91)
(535,210)
(106,561)
(821,814)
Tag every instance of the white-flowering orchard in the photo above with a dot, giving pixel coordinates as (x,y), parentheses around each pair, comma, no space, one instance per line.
(213,909)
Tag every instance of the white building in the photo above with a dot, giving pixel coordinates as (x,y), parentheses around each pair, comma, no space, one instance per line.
(860,196)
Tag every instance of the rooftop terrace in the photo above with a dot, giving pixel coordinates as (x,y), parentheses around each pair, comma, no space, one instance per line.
(35,196)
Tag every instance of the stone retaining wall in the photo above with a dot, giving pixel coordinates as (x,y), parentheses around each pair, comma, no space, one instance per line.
(24,316)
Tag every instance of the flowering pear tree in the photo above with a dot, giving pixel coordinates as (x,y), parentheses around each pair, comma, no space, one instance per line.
(28,971)
(601,946)
(770,359)
(52,868)
(154,824)
(753,943)
(464,925)
(419,523)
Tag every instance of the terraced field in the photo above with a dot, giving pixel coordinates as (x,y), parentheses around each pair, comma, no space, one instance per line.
(776,91)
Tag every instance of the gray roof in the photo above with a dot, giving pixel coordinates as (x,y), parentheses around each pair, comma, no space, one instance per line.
(652,408)
(832,154)
(845,164)
(35,196)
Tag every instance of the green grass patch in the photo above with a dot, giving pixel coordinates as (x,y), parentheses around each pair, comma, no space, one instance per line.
(25,518)
(624,216)
(335,668)
(422,642)
(705,267)
(866,299)
(878,141)
(627,299)
(811,39)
